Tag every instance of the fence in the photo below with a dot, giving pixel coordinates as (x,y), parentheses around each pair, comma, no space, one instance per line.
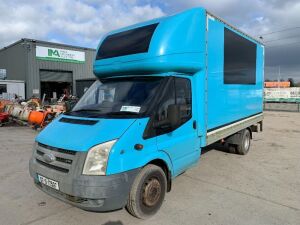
(282,106)
(282,94)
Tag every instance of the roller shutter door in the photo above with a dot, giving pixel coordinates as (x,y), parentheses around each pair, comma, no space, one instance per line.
(81,85)
(56,76)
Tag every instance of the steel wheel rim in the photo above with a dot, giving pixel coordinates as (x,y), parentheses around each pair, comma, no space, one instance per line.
(151,192)
(247,141)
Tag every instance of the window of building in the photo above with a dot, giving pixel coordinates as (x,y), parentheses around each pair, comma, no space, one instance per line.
(3,88)
(127,42)
(239,59)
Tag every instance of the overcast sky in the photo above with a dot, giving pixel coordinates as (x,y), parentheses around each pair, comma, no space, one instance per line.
(83,22)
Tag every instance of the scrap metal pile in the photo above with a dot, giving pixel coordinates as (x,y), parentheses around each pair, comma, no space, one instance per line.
(32,112)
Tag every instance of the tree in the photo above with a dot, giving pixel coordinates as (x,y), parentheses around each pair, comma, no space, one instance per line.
(292,82)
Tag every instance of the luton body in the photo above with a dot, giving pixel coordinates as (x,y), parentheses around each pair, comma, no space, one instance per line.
(165,89)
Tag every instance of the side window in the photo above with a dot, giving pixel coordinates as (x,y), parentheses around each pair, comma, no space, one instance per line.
(127,42)
(239,59)
(184,98)
(177,91)
(168,98)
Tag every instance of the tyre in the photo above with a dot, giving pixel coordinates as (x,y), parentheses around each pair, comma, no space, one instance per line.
(244,146)
(147,192)
(231,149)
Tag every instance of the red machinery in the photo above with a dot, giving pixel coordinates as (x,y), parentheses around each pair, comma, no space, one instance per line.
(4,118)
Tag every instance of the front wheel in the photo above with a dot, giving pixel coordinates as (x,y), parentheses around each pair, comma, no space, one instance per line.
(147,192)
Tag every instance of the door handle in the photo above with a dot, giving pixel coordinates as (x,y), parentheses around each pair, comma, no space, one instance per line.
(195,124)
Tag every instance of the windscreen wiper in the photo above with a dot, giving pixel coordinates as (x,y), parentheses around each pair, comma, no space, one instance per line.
(88,110)
(75,112)
(121,113)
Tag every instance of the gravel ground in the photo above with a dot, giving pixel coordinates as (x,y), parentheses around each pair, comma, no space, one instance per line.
(262,187)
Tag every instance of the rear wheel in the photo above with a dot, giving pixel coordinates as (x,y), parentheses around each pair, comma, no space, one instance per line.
(147,192)
(244,146)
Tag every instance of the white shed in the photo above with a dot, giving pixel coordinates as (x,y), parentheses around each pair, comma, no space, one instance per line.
(10,88)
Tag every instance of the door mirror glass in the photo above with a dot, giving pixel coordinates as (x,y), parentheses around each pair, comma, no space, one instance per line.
(172,121)
(174,116)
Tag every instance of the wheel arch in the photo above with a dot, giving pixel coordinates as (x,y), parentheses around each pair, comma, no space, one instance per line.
(164,166)
(163,160)
(250,131)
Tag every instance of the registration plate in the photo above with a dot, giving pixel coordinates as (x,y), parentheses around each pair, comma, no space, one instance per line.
(48,182)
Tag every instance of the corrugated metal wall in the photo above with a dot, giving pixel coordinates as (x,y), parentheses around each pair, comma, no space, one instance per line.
(80,71)
(13,60)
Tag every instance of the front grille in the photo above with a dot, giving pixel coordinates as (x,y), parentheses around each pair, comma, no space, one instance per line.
(52,166)
(55,158)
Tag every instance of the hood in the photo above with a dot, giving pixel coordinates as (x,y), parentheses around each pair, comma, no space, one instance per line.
(80,134)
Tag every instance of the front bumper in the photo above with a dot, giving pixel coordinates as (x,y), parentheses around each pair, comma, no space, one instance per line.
(92,193)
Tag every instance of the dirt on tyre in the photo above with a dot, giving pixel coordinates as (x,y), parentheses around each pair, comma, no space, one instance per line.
(244,146)
(147,192)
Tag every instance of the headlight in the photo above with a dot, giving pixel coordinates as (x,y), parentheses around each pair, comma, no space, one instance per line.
(96,159)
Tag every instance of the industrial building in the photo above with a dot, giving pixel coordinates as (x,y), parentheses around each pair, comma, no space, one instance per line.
(48,68)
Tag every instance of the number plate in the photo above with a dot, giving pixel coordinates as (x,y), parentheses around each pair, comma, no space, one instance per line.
(48,182)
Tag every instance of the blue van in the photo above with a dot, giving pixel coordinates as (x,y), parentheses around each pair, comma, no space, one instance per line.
(165,89)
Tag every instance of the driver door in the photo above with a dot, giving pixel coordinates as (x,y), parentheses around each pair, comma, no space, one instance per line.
(182,144)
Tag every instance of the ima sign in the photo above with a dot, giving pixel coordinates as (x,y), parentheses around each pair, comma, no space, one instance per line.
(52,52)
(61,55)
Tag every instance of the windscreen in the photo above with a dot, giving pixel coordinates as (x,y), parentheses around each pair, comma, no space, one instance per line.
(117,97)
(127,42)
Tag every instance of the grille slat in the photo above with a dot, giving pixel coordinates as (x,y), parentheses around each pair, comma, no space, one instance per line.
(64,170)
(59,159)
(55,162)
(40,153)
(57,149)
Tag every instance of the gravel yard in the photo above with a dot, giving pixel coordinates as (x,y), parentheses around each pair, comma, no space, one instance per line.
(262,187)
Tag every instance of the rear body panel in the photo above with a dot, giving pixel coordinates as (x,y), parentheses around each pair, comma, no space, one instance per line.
(229,102)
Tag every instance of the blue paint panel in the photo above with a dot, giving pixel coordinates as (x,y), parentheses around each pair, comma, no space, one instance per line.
(177,45)
(229,102)
(79,137)
(124,156)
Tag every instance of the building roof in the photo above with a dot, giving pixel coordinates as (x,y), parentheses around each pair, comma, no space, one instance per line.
(45,42)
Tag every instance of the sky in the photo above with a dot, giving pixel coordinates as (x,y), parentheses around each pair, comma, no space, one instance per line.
(84,22)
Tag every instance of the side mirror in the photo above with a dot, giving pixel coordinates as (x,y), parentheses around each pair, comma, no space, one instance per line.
(173,119)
